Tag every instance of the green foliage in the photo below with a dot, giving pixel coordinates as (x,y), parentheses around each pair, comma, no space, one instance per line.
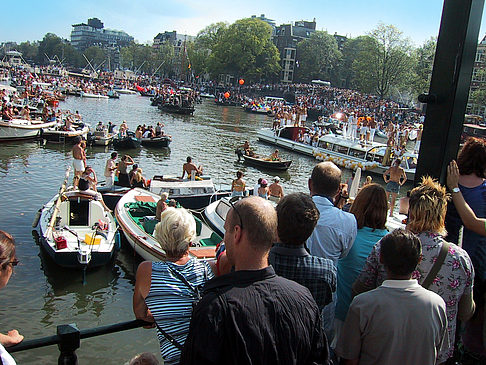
(383,62)
(423,64)
(318,57)
(146,59)
(245,50)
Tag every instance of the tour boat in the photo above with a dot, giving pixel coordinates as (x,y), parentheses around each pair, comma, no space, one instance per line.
(191,194)
(342,151)
(162,141)
(135,213)
(76,231)
(17,129)
(57,134)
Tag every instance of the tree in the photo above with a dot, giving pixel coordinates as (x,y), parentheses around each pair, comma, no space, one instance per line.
(423,64)
(318,57)
(96,56)
(352,48)
(384,61)
(49,46)
(245,50)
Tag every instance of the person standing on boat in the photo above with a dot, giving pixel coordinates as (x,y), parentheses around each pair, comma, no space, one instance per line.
(79,160)
(275,190)
(110,169)
(352,126)
(372,126)
(238,185)
(165,291)
(394,177)
(263,189)
(8,260)
(125,161)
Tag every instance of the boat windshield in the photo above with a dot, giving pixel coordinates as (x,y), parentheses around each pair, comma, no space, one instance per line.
(222,209)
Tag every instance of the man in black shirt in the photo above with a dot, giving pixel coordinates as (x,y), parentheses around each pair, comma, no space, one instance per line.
(252,316)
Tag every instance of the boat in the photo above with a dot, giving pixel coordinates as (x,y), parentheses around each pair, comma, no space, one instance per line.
(214,215)
(18,129)
(227,102)
(56,134)
(177,109)
(150,93)
(100,138)
(342,151)
(125,91)
(191,194)
(135,213)
(76,231)
(112,94)
(207,95)
(163,141)
(126,142)
(93,96)
(258,161)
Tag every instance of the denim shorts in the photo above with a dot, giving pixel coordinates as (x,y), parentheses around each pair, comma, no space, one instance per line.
(393,187)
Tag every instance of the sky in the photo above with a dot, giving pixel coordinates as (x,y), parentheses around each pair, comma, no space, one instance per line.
(144,19)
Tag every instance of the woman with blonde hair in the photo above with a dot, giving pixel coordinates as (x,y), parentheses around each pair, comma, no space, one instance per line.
(165,291)
(8,260)
(454,279)
(138,181)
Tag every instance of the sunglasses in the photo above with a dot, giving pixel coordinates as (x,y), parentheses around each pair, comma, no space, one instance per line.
(14,263)
(238,213)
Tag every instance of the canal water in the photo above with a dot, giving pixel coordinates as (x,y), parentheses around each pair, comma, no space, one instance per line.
(41,295)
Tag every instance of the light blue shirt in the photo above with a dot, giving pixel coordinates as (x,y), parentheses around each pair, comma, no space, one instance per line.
(334,233)
(350,266)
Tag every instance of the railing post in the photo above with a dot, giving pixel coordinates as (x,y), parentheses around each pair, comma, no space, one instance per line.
(69,337)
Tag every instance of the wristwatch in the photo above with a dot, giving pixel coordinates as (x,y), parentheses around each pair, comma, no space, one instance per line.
(456,190)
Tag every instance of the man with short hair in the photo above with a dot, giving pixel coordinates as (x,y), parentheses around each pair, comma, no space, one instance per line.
(79,160)
(251,315)
(399,322)
(335,231)
(297,216)
(110,169)
(190,166)
(275,190)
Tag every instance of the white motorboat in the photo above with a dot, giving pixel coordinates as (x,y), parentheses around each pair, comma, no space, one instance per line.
(100,138)
(135,213)
(215,214)
(17,129)
(76,231)
(93,96)
(57,134)
(191,194)
(125,91)
(207,95)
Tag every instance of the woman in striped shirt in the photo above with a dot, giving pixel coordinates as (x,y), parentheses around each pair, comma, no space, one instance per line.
(165,291)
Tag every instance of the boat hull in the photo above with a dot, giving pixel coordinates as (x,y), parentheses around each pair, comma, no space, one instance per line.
(21,129)
(176,109)
(268,165)
(156,142)
(126,143)
(57,136)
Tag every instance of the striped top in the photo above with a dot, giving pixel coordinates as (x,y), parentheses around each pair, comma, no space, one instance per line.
(170,301)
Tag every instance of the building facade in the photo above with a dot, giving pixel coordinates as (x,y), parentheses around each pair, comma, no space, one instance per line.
(94,34)
(286,38)
(478,79)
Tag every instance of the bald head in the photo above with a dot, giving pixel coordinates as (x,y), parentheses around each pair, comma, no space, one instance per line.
(259,220)
(325,179)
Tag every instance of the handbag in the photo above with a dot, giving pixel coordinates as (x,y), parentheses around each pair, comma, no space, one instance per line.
(437,265)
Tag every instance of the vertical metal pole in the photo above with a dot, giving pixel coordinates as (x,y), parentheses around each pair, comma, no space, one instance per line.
(449,86)
(69,342)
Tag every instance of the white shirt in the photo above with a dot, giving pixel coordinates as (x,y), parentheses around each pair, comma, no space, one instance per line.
(334,233)
(7,359)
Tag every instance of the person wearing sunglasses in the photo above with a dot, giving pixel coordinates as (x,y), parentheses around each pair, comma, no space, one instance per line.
(8,260)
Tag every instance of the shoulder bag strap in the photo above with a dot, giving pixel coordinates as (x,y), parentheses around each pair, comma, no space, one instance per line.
(181,277)
(437,265)
(169,338)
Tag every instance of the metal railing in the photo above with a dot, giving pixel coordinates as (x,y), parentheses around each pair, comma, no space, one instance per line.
(68,339)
